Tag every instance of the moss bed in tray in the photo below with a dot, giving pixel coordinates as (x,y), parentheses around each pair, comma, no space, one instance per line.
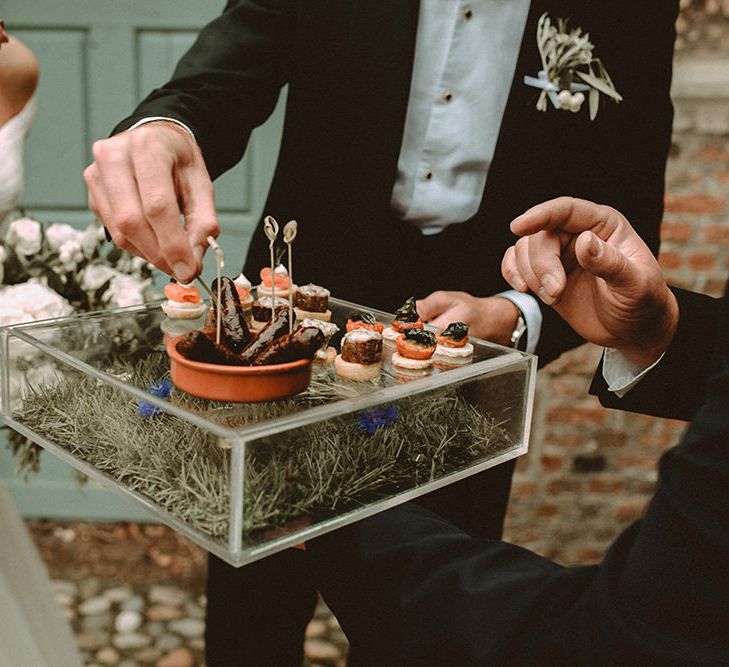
(318,470)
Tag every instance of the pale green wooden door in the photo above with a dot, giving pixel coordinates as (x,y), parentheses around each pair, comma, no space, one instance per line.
(98,58)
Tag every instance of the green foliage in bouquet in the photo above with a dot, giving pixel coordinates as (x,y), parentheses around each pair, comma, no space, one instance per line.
(53,270)
(78,265)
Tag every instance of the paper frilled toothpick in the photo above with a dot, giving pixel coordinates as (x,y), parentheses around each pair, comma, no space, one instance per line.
(270,229)
(289,234)
(219,264)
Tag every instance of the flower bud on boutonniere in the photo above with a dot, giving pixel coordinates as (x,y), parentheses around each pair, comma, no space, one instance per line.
(569,69)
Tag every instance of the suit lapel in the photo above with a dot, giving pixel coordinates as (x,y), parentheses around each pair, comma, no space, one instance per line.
(520,95)
(524,131)
(379,87)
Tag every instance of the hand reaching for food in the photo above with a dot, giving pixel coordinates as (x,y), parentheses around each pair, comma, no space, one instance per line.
(141,182)
(491,318)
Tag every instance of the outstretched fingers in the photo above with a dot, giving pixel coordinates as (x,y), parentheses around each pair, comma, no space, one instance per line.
(535,263)
(153,172)
(114,199)
(142,183)
(570,215)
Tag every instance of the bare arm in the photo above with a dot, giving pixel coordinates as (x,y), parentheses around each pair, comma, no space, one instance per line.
(18,77)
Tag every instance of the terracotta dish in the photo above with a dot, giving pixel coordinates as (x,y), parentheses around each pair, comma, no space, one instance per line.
(240,384)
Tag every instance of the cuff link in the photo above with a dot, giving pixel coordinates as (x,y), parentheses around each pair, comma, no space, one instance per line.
(518,340)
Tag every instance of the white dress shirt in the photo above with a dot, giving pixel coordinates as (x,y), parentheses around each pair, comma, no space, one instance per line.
(620,373)
(465,58)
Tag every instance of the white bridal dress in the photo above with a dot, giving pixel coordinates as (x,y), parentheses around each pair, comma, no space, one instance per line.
(33,632)
(12,136)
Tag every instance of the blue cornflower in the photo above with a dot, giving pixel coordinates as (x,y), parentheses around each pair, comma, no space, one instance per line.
(147,409)
(159,389)
(371,420)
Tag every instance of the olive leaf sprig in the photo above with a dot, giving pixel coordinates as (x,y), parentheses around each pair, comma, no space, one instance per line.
(566,55)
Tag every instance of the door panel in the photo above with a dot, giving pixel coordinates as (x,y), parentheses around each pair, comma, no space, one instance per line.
(98,58)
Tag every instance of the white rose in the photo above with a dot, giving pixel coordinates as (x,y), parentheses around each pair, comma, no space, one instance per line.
(90,239)
(25,236)
(124,263)
(28,302)
(31,301)
(137,265)
(125,291)
(58,234)
(95,275)
(70,254)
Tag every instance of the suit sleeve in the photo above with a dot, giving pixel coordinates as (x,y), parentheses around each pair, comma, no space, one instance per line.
(676,387)
(228,82)
(408,584)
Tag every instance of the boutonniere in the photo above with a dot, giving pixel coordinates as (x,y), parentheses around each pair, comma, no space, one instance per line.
(569,69)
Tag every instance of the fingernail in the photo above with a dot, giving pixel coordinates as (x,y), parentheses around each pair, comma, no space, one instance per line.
(519,284)
(182,272)
(550,285)
(545,297)
(198,251)
(596,247)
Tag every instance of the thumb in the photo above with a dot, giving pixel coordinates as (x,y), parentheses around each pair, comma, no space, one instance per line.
(605,261)
(435,304)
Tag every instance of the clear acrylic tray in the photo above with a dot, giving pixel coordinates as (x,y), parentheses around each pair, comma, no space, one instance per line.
(247,480)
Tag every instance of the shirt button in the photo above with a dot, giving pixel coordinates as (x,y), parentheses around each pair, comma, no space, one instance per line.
(467,13)
(427,174)
(447,96)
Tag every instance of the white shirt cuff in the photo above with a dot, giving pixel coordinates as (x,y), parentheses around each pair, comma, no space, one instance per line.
(530,311)
(620,373)
(171,120)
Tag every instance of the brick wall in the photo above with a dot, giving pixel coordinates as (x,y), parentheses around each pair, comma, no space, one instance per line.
(590,471)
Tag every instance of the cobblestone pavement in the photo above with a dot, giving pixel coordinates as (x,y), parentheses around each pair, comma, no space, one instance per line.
(163,626)
(134,596)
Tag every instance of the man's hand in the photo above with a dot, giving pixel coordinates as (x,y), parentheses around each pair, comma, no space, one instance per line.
(141,182)
(491,318)
(588,262)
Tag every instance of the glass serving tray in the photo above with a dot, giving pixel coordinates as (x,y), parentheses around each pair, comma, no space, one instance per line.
(247,480)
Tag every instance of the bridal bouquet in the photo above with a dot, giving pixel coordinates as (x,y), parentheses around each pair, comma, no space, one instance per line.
(54,270)
(47,272)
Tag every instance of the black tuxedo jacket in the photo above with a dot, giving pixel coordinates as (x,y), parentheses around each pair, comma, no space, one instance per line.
(435,596)
(677,385)
(348,65)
